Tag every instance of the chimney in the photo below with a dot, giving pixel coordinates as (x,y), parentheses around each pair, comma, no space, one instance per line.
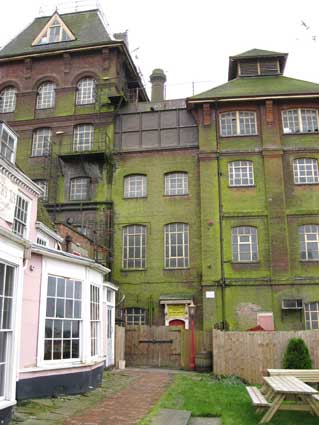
(157,79)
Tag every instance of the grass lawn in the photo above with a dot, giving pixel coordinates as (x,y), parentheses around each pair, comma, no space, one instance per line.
(226,398)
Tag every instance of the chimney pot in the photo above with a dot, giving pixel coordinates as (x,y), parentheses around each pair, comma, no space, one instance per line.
(158,79)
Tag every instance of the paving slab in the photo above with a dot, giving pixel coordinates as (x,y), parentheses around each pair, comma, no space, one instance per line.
(172,417)
(205,421)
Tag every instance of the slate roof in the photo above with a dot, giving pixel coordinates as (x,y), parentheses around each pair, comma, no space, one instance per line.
(254,53)
(87,27)
(259,86)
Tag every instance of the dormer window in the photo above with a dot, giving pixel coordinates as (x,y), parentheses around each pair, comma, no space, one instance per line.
(55,31)
(258,67)
(8,142)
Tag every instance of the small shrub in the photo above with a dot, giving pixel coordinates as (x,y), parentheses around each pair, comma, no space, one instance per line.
(297,355)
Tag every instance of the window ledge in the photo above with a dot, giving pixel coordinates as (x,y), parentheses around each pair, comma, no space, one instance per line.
(242,186)
(63,365)
(6,403)
(245,262)
(309,261)
(185,195)
(136,197)
(306,184)
(311,133)
(175,268)
(134,270)
(239,135)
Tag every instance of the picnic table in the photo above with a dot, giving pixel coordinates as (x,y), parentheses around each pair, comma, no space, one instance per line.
(277,389)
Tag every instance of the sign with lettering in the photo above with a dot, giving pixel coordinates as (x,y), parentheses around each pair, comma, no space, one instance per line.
(176,310)
(8,197)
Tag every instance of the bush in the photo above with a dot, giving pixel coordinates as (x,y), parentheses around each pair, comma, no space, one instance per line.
(297,355)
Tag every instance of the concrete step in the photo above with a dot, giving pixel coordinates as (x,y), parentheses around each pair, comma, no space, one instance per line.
(204,421)
(172,417)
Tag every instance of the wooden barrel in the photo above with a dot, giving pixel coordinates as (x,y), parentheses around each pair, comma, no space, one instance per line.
(203,361)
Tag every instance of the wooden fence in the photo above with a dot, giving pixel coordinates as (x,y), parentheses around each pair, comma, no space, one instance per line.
(249,354)
(119,344)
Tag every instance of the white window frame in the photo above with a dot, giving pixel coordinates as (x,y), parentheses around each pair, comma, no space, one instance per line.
(46,95)
(21,216)
(241,173)
(44,36)
(295,118)
(138,234)
(42,241)
(43,184)
(83,137)
(86,91)
(95,320)
(176,183)
(8,147)
(41,141)
(76,186)
(137,315)
(230,123)
(8,98)
(243,236)
(135,186)
(310,309)
(309,236)
(301,173)
(173,260)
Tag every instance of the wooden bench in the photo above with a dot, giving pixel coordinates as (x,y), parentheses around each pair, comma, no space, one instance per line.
(305,375)
(257,398)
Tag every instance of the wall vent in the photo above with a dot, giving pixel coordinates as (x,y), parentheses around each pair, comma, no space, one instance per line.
(292,304)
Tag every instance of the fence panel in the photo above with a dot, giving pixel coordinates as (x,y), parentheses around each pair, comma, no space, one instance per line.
(249,354)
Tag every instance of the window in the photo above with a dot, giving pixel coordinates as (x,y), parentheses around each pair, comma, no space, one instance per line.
(20,217)
(86,91)
(244,244)
(241,173)
(63,319)
(238,124)
(309,242)
(312,315)
(42,241)
(46,95)
(95,319)
(55,31)
(79,189)
(44,186)
(300,121)
(135,316)
(83,137)
(8,100)
(306,171)
(176,184)
(6,327)
(176,246)
(135,186)
(7,143)
(41,142)
(134,246)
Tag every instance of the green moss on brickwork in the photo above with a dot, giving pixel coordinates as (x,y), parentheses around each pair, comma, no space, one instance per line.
(43,216)
(64,104)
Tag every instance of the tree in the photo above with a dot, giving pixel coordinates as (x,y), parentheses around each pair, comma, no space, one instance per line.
(297,355)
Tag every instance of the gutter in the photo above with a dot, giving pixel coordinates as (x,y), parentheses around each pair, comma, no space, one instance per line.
(253,98)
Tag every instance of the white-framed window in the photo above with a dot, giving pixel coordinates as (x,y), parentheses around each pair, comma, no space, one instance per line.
(83,137)
(238,123)
(241,173)
(312,315)
(176,245)
(20,216)
(309,242)
(176,184)
(244,244)
(54,32)
(63,319)
(6,325)
(8,99)
(95,319)
(300,121)
(135,186)
(44,186)
(41,142)
(134,246)
(134,316)
(306,171)
(80,189)
(8,142)
(42,241)
(46,95)
(86,91)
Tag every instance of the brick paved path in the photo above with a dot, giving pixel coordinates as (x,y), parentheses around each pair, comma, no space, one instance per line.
(130,405)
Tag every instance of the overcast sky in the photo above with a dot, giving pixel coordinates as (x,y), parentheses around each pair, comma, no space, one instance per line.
(192,40)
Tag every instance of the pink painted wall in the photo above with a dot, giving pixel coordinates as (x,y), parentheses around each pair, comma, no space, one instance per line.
(5,224)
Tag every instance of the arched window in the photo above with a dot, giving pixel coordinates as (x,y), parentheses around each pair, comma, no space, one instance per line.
(306,171)
(83,137)
(238,123)
(80,189)
(240,173)
(86,90)
(309,242)
(46,95)
(8,99)
(244,244)
(41,142)
(176,184)
(134,246)
(300,121)
(176,245)
(135,186)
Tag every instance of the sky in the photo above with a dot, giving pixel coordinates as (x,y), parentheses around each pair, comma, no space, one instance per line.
(192,40)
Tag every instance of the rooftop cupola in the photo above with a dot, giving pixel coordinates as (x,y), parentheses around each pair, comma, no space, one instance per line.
(256,63)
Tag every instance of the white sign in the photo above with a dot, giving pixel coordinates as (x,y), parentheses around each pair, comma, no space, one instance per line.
(210,294)
(8,197)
